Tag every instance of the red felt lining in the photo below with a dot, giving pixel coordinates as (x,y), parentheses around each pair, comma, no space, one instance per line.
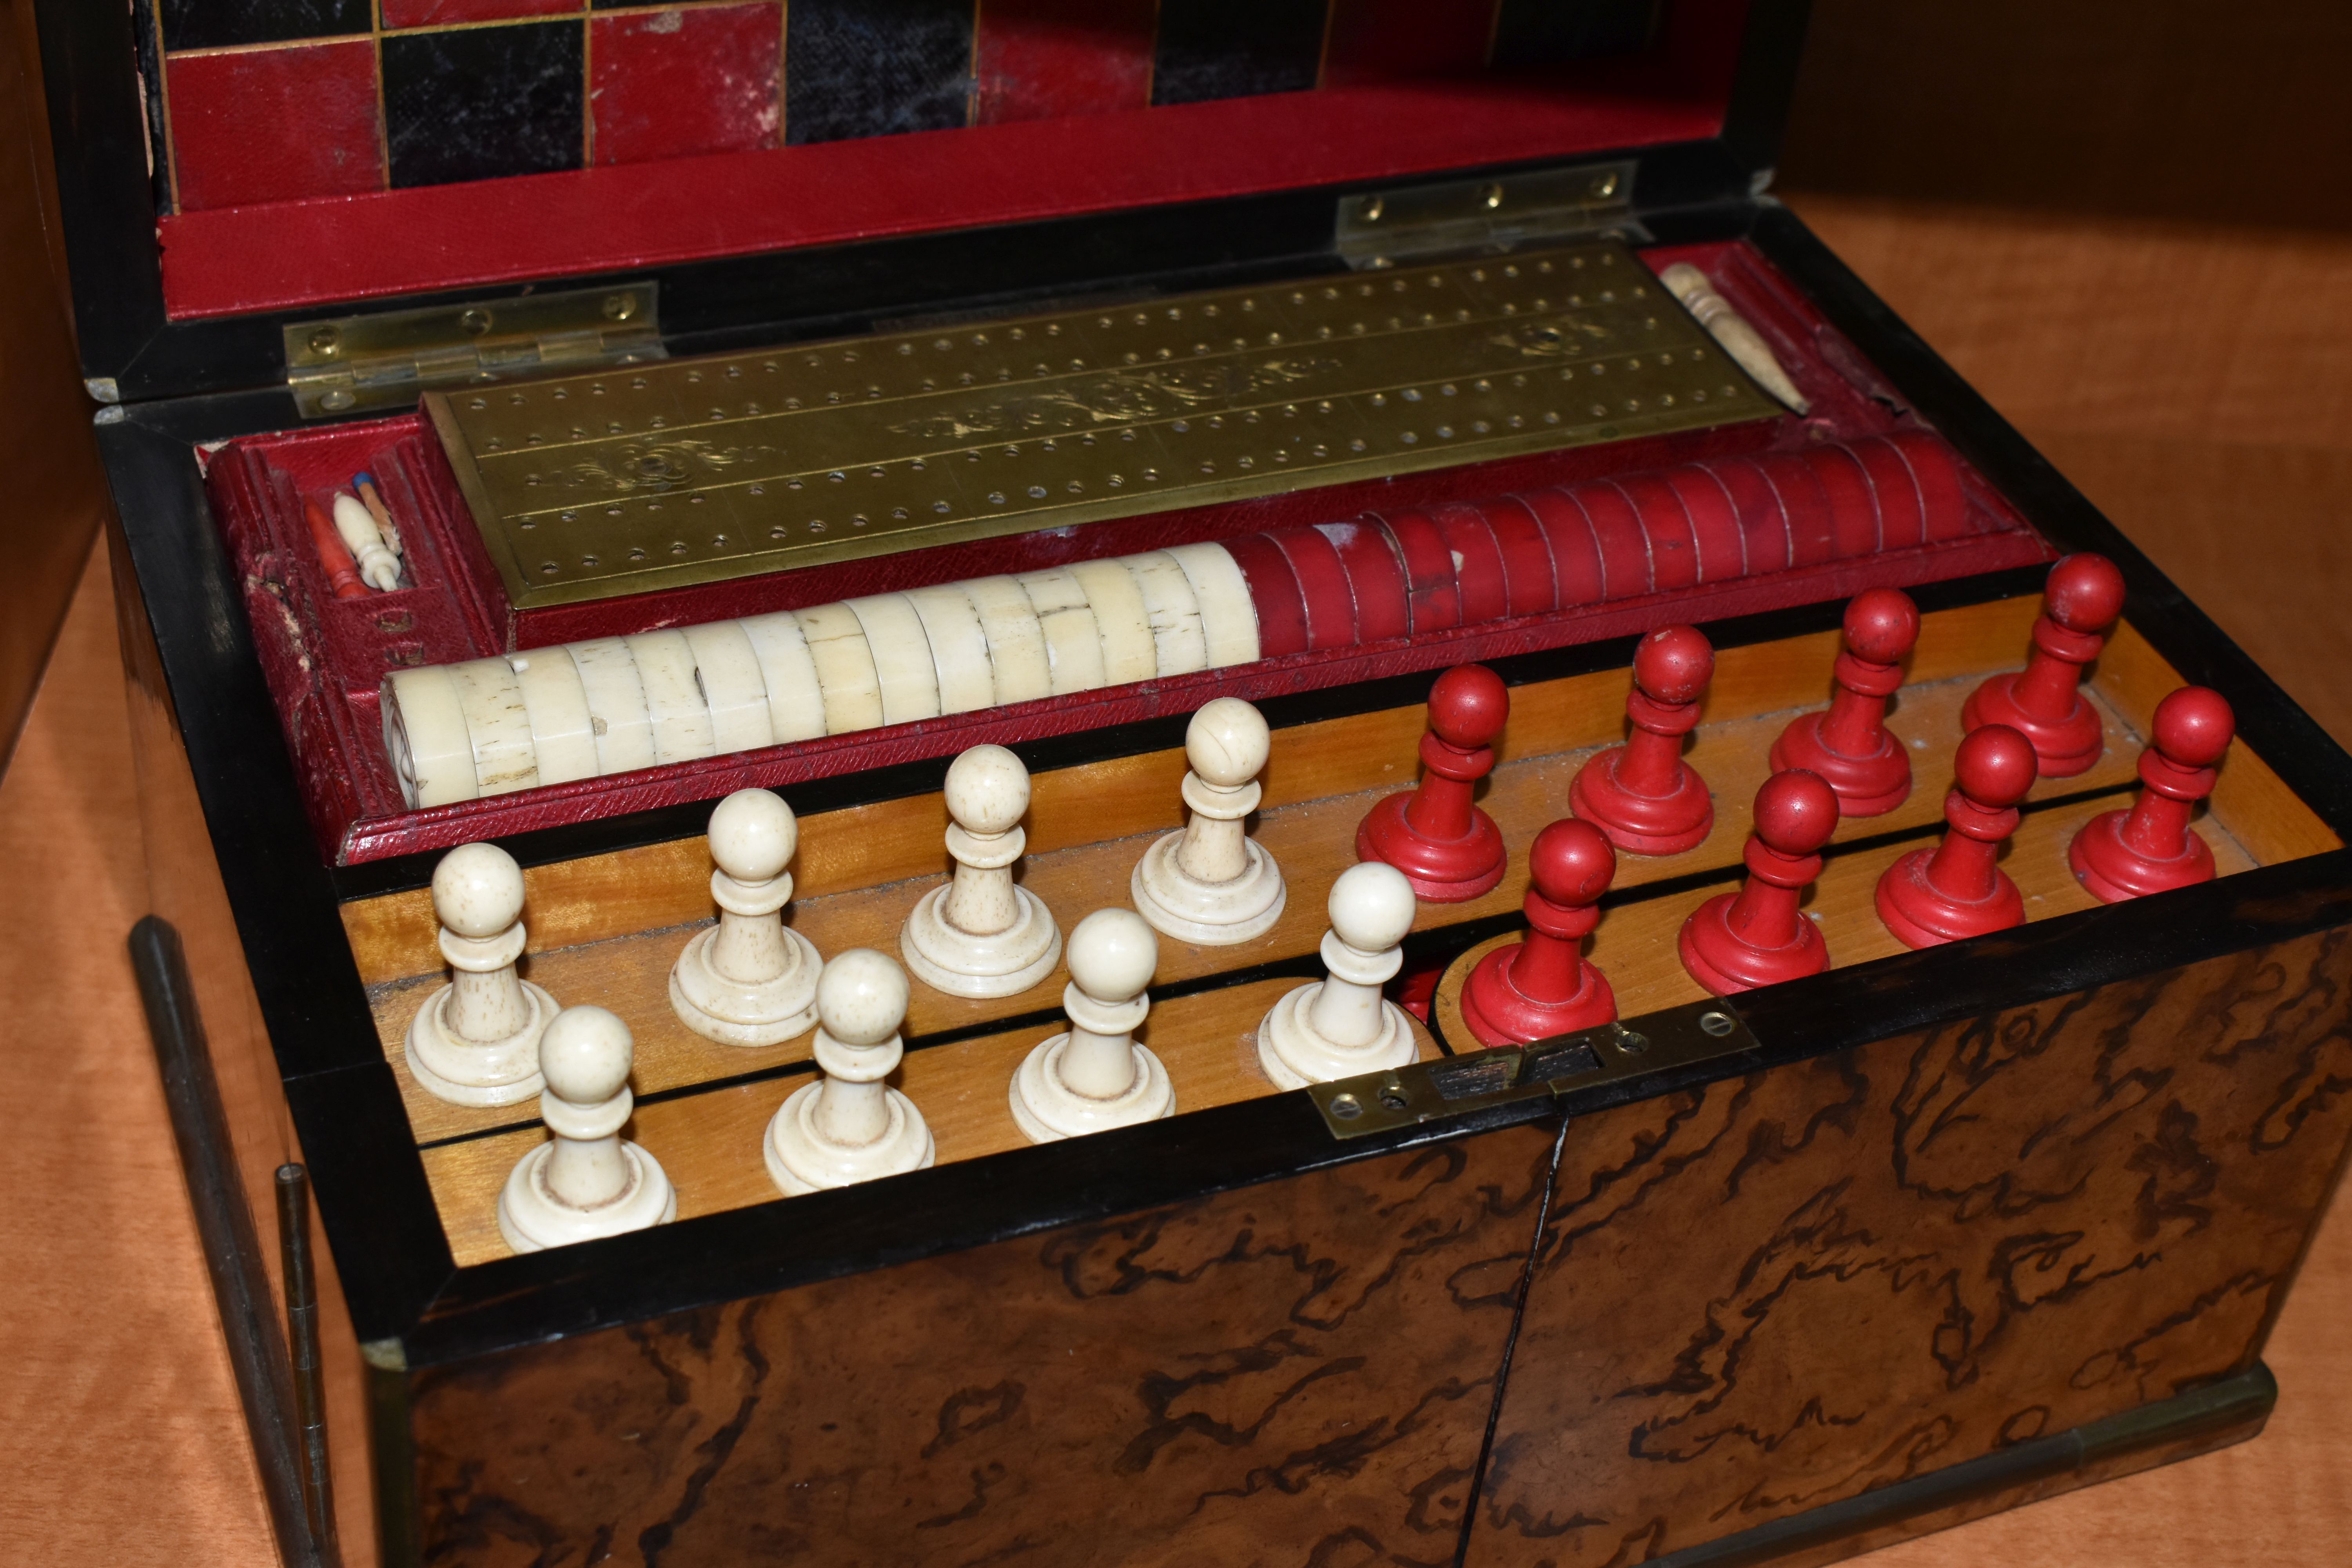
(628,217)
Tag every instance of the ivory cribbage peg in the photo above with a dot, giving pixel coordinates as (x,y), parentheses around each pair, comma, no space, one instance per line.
(982,934)
(586,1181)
(849,1126)
(476,1040)
(1728,328)
(1212,884)
(751,980)
(379,567)
(1098,1076)
(1341,1026)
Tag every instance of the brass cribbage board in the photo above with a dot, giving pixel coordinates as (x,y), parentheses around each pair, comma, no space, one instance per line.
(693,471)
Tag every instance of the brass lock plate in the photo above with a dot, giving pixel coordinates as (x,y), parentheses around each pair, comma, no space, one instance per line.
(655,476)
(1453,1087)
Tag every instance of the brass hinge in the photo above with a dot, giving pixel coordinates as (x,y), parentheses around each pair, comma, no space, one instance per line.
(388,360)
(1456,1085)
(1469,218)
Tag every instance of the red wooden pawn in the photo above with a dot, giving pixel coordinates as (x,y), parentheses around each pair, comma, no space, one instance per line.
(2084,596)
(1956,890)
(1737,941)
(1642,794)
(2122,855)
(1543,985)
(1447,848)
(1848,744)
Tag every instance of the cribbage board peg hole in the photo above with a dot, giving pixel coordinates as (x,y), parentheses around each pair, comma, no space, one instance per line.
(751,980)
(476,1040)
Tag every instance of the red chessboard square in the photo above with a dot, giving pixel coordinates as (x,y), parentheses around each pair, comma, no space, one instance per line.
(1041,59)
(441,13)
(678,84)
(275,124)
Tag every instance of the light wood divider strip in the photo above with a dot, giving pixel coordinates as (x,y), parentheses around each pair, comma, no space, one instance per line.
(2249,799)
(1635,946)
(663,885)
(710,1144)
(1313,843)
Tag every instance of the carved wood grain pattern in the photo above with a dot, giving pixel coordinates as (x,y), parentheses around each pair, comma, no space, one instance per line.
(1289,1372)
(1911,1254)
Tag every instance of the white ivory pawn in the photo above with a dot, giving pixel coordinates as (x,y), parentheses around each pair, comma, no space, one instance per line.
(586,1181)
(476,1040)
(982,934)
(751,980)
(848,1125)
(1212,883)
(1096,1076)
(1342,1026)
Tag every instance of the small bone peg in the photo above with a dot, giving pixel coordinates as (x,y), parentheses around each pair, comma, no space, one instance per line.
(1733,331)
(378,565)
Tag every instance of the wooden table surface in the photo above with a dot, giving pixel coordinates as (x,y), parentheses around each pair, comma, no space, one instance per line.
(2196,384)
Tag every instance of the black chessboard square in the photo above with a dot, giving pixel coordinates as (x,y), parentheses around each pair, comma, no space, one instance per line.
(219,23)
(875,68)
(480,103)
(1237,48)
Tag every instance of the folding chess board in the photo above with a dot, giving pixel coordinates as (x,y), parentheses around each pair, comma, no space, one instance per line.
(1105,785)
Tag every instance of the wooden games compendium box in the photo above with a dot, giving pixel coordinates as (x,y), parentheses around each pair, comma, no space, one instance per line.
(1357,334)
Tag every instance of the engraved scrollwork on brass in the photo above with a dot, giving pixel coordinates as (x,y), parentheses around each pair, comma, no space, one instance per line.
(632,468)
